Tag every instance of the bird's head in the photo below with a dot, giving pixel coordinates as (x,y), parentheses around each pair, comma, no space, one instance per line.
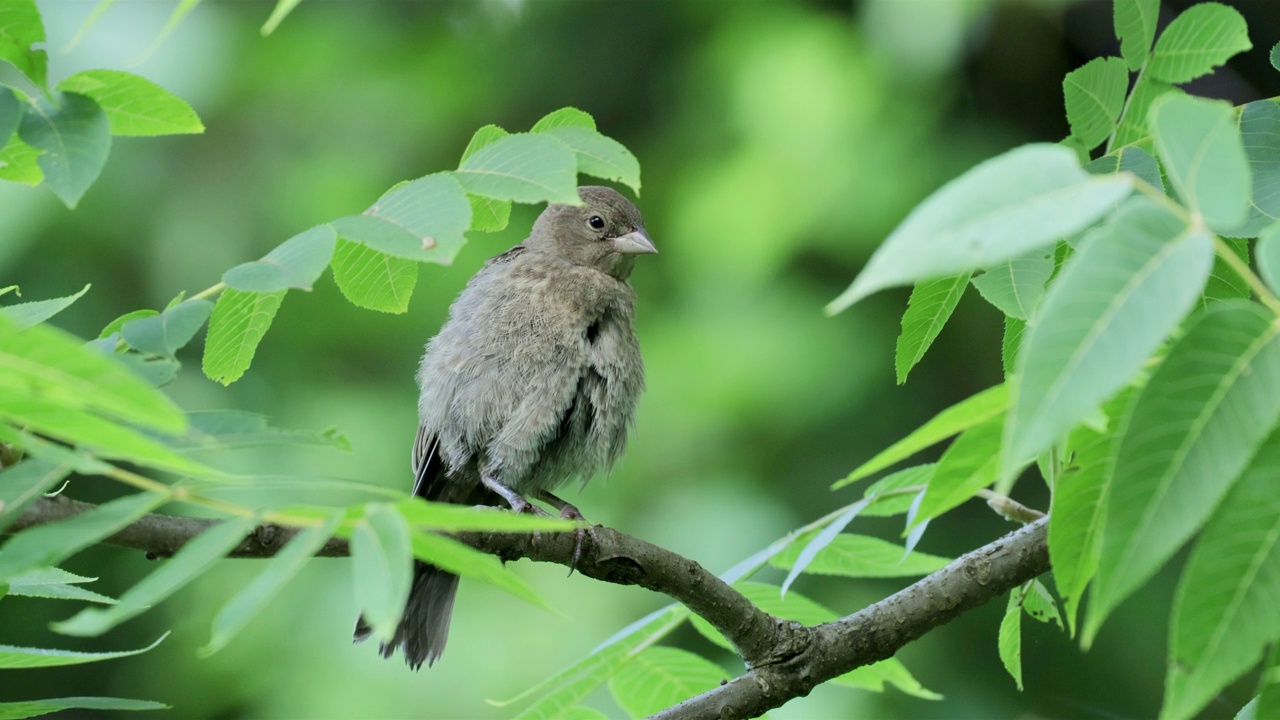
(605,232)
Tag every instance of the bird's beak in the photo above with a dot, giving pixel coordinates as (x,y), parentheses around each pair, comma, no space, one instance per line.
(636,242)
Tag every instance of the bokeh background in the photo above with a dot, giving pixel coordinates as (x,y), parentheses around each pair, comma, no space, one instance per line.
(779,141)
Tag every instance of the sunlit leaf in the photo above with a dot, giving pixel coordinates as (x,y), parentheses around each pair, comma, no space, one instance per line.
(19,162)
(33,313)
(383,560)
(1200,39)
(237,325)
(600,156)
(487,214)
(861,556)
(48,545)
(1202,152)
(963,415)
(1135,22)
(166,333)
(36,708)
(295,263)
(659,677)
(875,676)
(54,584)
(562,118)
(420,220)
(931,304)
(74,137)
(1192,430)
(1133,124)
(193,559)
(1005,207)
(12,657)
(133,104)
(20,31)
(1116,299)
(1010,637)
(801,560)
(971,463)
(522,167)
(1224,611)
(247,603)
(372,279)
(1010,342)
(1094,96)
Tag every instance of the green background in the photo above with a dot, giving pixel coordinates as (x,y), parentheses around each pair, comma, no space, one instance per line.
(779,141)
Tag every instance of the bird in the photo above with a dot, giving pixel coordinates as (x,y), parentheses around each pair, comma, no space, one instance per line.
(533,380)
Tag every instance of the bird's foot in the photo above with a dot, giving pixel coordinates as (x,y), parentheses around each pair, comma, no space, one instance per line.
(568,511)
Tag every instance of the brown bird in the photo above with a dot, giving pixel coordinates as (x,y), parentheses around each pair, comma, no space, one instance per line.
(532,381)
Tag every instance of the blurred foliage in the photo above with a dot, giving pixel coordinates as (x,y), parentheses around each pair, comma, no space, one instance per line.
(781,141)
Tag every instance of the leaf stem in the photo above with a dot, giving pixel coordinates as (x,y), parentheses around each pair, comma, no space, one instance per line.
(1009,508)
(1242,268)
(1125,110)
(209,291)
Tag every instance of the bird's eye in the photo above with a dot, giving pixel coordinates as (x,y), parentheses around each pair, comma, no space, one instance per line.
(596,222)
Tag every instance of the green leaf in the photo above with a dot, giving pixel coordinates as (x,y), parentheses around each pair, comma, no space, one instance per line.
(54,584)
(1012,339)
(233,429)
(768,598)
(470,563)
(1135,22)
(1275,56)
(10,114)
(75,139)
(819,542)
(115,325)
(883,499)
(1077,506)
(383,559)
(566,688)
(36,708)
(1010,639)
(19,162)
(1200,39)
(46,545)
(295,263)
(1224,611)
(237,325)
(860,556)
(1016,285)
(1133,124)
(874,676)
(22,484)
(1193,428)
(1260,133)
(420,220)
(372,279)
(134,105)
(172,329)
(1130,159)
(1040,605)
(959,417)
(1268,700)
(1200,146)
(278,14)
(582,712)
(33,446)
(1224,282)
(241,608)
(447,517)
(45,361)
(33,313)
(600,156)
(12,657)
(106,438)
(190,561)
(659,677)
(562,118)
(1094,96)
(1268,251)
(487,214)
(931,304)
(1117,297)
(1005,207)
(21,29)
(970,464)
(522,167)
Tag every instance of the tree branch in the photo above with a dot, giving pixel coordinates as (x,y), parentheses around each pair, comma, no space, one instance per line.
(784,659)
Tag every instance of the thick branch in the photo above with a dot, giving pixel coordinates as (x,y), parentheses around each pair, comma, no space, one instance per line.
(880,630)
(785,660)
(607,555)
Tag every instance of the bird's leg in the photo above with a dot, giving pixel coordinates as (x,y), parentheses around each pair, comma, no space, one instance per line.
(517,501)
(568,512)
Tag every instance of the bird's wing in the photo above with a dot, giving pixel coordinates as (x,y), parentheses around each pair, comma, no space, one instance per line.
(426,464)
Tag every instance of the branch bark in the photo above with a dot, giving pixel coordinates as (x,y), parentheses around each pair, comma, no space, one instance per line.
(784,659)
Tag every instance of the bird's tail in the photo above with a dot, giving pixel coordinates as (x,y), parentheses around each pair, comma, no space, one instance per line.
(424,627)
